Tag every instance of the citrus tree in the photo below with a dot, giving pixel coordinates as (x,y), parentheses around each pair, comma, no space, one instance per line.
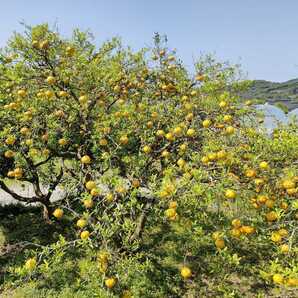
(164,175)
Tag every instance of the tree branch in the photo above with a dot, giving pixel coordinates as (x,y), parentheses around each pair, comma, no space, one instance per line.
(17,197)
(53,185)
(142,221)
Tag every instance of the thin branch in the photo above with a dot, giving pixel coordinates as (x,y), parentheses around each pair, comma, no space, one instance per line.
(17,197)
(142,221)
(53,185)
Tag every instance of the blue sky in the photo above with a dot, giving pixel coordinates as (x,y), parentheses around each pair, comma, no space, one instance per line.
(259,34)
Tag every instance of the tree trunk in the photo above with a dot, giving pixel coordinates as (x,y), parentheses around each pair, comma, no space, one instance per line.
(47,211)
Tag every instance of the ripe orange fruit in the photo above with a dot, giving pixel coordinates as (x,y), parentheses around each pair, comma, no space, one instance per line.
(124,140)
(135,183)
(94,192)
(9,154)
(220,243)
(250,173)
(292,282)
(271,216)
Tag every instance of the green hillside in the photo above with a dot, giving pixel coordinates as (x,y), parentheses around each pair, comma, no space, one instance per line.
(275,93)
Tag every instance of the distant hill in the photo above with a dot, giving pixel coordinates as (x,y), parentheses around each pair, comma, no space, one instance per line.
(275,93)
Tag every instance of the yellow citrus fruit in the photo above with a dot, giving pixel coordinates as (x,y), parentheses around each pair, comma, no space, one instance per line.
(124,140)
(283,232)
(206,123)
(171,212)
(236,223)
(86,159)
(85,235)
(110,282)
(88,203)
(81,223)
(9,154)
(185,272)
(30,264)
(250,173)
(51,80)
(223,104)
(10,140)
(292,282)
(170,137)
(264,165)
(22,93)
(190,132)
(247,230)
(136,183)
(288,184)
(276,237)
(227,118)
(109,197)
(220,243)
(147,149)
(90,184)
(271,216)
(284,248)
(95,192)
(62,142)
(58,213)
(230,194)
(277,278)
(230,130)
(160,133)
(173,205)
(103,142)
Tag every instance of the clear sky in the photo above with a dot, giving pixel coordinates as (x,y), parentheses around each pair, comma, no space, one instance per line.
(259,34)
